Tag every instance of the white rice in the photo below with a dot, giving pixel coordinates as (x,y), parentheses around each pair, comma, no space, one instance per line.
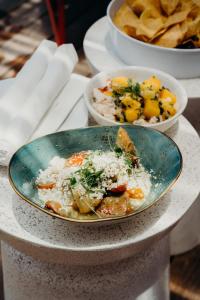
(59,173)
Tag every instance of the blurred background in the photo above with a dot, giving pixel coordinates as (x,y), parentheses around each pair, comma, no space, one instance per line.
(23,25)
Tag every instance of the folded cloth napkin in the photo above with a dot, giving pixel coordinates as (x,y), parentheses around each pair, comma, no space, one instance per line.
(24,83)
(62,108)
(29,116)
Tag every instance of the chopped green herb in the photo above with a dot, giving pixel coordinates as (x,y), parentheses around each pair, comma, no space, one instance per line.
(72,181)
(118,151)
(128,162)
(136,89)
(89,178)
(132,88)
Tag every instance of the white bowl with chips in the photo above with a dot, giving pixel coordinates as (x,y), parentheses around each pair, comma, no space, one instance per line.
(138,74)
(181,63)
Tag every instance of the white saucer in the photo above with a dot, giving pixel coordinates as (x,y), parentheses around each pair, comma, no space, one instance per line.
(102,57)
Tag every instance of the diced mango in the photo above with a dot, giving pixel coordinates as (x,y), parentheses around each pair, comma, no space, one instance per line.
(153,83)
(151,108)
(169,109)
(118,83)
(148,93)
(165,94)
(128,101)
(131,114)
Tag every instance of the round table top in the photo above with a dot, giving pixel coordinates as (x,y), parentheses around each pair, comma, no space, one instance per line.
(102,57)
(19,221)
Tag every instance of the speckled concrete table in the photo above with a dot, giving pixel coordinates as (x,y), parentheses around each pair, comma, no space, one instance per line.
(48,258)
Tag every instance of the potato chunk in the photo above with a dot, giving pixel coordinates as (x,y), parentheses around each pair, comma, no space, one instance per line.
(113,206)
(85,204)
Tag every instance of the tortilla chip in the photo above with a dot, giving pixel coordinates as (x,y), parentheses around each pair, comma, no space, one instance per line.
(171,38)
(197,41)
(125,16)
(169,6)
(131,31)
(193,27)
(138,6)
(158,34)
(165,23)
(194,13)
(197,2)
(176,18)
(150,23)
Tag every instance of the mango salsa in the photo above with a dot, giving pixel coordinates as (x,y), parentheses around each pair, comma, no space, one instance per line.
(137,102)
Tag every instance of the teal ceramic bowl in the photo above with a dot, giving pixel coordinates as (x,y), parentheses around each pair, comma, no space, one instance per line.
(158,154)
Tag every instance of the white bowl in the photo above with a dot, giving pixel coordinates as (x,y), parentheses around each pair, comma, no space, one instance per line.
(181,63)
(139,74)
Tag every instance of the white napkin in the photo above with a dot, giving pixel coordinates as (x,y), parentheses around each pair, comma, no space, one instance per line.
(24,83)
(62,107)
(28,117)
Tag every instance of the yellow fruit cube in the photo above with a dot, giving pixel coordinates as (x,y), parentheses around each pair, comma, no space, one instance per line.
(169,109)
(166,95)
(153,83)
(151,109)
(118,83)
(148,93)
(128,101)
(131,115)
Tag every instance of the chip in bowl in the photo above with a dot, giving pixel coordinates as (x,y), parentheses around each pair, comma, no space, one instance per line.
(171,24)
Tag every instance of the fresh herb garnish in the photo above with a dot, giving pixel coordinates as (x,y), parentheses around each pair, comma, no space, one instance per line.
(129,164)
(118,151)
(72,181)
(136,89)
(90,178)
(132,88)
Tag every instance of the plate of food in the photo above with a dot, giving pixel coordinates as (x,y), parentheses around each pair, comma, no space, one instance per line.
(158,33)
(135,95)
(96,174)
